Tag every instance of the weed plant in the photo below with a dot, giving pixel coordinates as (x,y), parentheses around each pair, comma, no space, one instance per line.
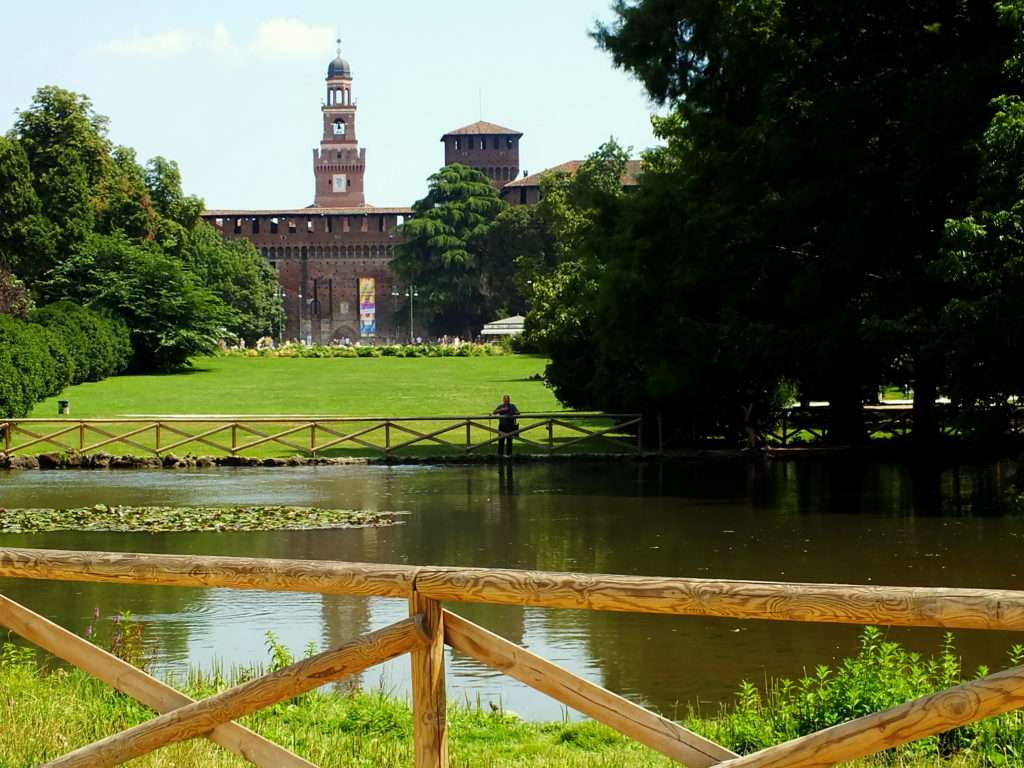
(46,713)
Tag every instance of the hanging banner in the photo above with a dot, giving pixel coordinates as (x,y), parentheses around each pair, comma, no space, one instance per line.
(367,306)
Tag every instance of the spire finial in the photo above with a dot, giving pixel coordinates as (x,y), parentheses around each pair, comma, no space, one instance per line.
(338,41)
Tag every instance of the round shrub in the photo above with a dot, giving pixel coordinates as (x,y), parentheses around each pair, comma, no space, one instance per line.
(98,344)
(34,364)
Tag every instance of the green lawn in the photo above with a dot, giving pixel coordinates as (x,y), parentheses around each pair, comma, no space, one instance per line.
(384,386)
(321,387)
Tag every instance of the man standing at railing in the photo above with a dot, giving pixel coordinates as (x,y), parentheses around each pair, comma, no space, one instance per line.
(507,426)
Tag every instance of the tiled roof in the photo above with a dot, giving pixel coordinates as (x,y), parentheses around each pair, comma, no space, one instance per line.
(629,176)
(366,210)
(482,128)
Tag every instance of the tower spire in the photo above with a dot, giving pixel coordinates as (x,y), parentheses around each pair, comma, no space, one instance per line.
(338,41)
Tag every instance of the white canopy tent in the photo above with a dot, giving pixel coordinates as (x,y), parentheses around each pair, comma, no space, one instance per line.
(507,326)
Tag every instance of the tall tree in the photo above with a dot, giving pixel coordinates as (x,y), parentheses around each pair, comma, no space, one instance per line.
(824,146)
(441,255)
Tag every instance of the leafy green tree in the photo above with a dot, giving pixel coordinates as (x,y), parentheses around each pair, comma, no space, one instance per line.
(517,250)
(442,252)
(171,315)
(817,150)
(60,122)
(26,237)
(241,278)
(163,180)
(123,203)
(981,332)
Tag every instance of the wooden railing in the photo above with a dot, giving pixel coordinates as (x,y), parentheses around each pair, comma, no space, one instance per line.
(799,424)
(430,627)
(546,433)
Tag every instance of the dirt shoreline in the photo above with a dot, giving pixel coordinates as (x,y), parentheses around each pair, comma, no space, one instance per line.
(901,452)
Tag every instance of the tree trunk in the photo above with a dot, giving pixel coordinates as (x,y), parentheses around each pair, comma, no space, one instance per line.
(925,414)
(846,412)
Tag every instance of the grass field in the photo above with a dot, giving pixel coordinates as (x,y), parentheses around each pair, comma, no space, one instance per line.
(333,387)
(385,386)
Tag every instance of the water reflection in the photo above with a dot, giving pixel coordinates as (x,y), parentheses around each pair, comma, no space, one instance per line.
(840,521)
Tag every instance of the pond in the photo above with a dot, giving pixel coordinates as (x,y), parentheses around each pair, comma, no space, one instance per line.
(823,521)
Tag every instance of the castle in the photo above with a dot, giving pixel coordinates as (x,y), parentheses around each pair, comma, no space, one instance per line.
(332,258)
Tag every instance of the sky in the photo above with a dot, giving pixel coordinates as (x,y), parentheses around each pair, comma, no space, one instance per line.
(232,90)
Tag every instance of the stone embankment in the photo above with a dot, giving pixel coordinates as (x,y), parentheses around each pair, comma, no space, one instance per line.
(74,460)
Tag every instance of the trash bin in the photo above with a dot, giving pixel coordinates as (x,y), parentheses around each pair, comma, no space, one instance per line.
(63,408)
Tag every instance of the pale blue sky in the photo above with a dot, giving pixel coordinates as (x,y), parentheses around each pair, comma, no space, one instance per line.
(232,90)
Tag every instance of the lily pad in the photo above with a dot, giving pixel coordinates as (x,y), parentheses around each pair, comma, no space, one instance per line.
(102,517)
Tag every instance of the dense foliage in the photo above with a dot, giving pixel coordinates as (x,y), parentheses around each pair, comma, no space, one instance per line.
(835,207)
(64,344)
(442,254)
(81,219)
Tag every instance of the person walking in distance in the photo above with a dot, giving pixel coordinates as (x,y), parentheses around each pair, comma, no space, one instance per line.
(507,426)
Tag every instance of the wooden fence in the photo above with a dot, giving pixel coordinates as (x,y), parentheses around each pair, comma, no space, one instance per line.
(546,433)
(799,424)
(429,627)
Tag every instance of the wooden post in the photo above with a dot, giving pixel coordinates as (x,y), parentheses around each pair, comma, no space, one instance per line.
(640,435)
(81,435)
(785,425)
(137,684)
(312,438)
(469,436)
(8,428)
(661,435)
(158,435)
(201,717)
(429,706)
(551,435)
(387,436)
(234,438)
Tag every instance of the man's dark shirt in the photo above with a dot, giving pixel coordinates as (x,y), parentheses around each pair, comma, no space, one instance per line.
(507,417)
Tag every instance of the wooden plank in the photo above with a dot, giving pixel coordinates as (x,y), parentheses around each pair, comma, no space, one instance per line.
(324,577)
(592,700)
(351,437)
(200,717)
(114,438)
(602,434)
(137,684)
(47,438)
(191,438)
(918,719)
(429,706)
(779,601)
(275,437)
(251,431)
(196,438)
(420,436)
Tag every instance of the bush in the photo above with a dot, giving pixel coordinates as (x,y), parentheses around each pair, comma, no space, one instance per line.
(99,345)
(33,364)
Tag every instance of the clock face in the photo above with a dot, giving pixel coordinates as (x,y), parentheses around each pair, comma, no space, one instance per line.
(340,183)
(339,127)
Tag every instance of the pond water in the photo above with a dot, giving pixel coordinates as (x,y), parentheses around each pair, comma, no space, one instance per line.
(829,521)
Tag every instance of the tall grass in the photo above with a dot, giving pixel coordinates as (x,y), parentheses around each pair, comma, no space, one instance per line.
(46,713)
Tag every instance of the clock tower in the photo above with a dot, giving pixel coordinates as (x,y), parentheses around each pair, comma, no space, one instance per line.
(339,163)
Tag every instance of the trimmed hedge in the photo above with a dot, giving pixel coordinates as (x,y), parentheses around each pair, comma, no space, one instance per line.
(63,344)
(99,345)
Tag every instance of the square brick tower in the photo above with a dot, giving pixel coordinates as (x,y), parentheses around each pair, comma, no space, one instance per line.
(491,149)
(339,163)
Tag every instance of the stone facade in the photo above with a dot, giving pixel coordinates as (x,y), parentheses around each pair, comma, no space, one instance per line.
(322,253)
